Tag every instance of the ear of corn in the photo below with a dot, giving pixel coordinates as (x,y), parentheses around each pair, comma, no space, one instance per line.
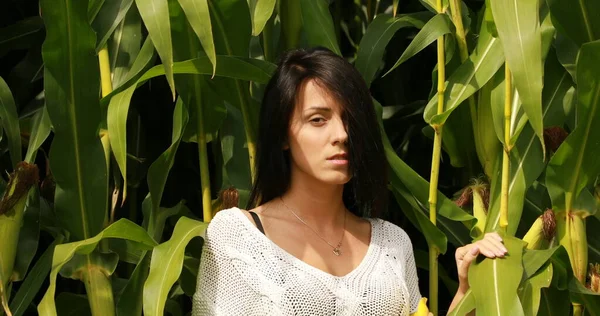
(572,235)
(12,209)
(479,208)
(542,231)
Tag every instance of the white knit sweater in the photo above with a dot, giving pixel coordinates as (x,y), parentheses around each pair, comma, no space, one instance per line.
(242,272)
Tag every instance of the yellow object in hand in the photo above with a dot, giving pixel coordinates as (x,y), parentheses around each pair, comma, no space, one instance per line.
(422,309)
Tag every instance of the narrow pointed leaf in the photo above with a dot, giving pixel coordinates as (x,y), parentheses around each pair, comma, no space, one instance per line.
(166,264)
(108,19)
(39,133)
(34,280)
(318,25)
(434,236)
(530,292)
(518,26)
(21,34)
(575,163)
(123,229)
(198,16)
(125,44)
(155,14)
(9,120)
(261,12)
(483,63)
(438,26)
(159,170)
(378,35)
(576,19)
(465,306)
(144,60)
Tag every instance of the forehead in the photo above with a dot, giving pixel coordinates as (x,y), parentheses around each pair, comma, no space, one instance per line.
(312,95)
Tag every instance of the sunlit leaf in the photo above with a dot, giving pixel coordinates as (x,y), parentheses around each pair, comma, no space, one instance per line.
(166,264)
(9,120)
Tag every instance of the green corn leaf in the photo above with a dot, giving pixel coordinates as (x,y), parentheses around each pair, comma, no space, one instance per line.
(109,18)
(318,25)
(39,132)
(465,306)
(576,19)
(124,46)
(233,67)
(9,120)
(159,170)
(123,229)
(518,26)
(530,291)
(483,63)
(575,163)
(198,16)
(34,280)
(21,35)
(155,14)
(494,282)
(526,155)
(71,84)
(144,60)
(261,10)
(166,264)
(378,35)
(438,26)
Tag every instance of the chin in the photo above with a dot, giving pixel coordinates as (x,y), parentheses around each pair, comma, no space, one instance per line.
(335,178)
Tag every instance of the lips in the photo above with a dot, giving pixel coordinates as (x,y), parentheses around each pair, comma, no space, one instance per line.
(340,156)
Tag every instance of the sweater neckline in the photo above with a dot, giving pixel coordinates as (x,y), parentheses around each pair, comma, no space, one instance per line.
(300,263)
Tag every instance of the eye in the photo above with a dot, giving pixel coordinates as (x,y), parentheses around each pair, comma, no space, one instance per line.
(317,120)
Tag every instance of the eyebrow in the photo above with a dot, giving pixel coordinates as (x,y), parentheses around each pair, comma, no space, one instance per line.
(318,108)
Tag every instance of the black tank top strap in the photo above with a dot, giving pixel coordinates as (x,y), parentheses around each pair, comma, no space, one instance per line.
(257,221)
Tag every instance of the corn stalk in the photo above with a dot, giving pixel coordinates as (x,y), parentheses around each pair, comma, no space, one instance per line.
(506,152)
(435,170)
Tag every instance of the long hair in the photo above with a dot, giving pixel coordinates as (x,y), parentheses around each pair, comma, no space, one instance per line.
(366,192)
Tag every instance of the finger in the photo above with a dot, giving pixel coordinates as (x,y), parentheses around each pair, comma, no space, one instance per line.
(462,251)
(498,244)
(497,247)
(485,250)
(495,236)
(467,259)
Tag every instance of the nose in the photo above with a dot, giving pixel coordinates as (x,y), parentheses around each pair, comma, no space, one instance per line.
(340,135)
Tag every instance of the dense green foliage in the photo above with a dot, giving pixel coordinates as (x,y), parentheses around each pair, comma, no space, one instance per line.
(141,115)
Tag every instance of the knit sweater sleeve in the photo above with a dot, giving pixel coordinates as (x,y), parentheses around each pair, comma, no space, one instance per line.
(412,279)
(220,290)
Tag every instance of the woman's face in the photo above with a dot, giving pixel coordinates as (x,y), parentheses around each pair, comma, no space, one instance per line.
(317,137)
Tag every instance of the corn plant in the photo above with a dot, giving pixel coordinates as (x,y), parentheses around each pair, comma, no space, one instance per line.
(127,124)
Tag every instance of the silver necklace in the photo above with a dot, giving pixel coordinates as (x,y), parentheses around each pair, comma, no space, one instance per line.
(336,249)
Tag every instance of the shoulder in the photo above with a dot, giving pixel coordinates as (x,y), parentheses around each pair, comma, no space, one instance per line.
(225,225)
(394,237)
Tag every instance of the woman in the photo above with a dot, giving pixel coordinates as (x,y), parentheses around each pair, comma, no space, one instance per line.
(310,244)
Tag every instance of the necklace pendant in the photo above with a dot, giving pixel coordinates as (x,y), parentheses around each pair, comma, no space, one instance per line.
(337,251)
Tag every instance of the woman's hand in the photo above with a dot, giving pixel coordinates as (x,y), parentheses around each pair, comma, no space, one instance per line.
(490,246)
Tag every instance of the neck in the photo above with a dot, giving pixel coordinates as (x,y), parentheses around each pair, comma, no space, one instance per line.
(319,204)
